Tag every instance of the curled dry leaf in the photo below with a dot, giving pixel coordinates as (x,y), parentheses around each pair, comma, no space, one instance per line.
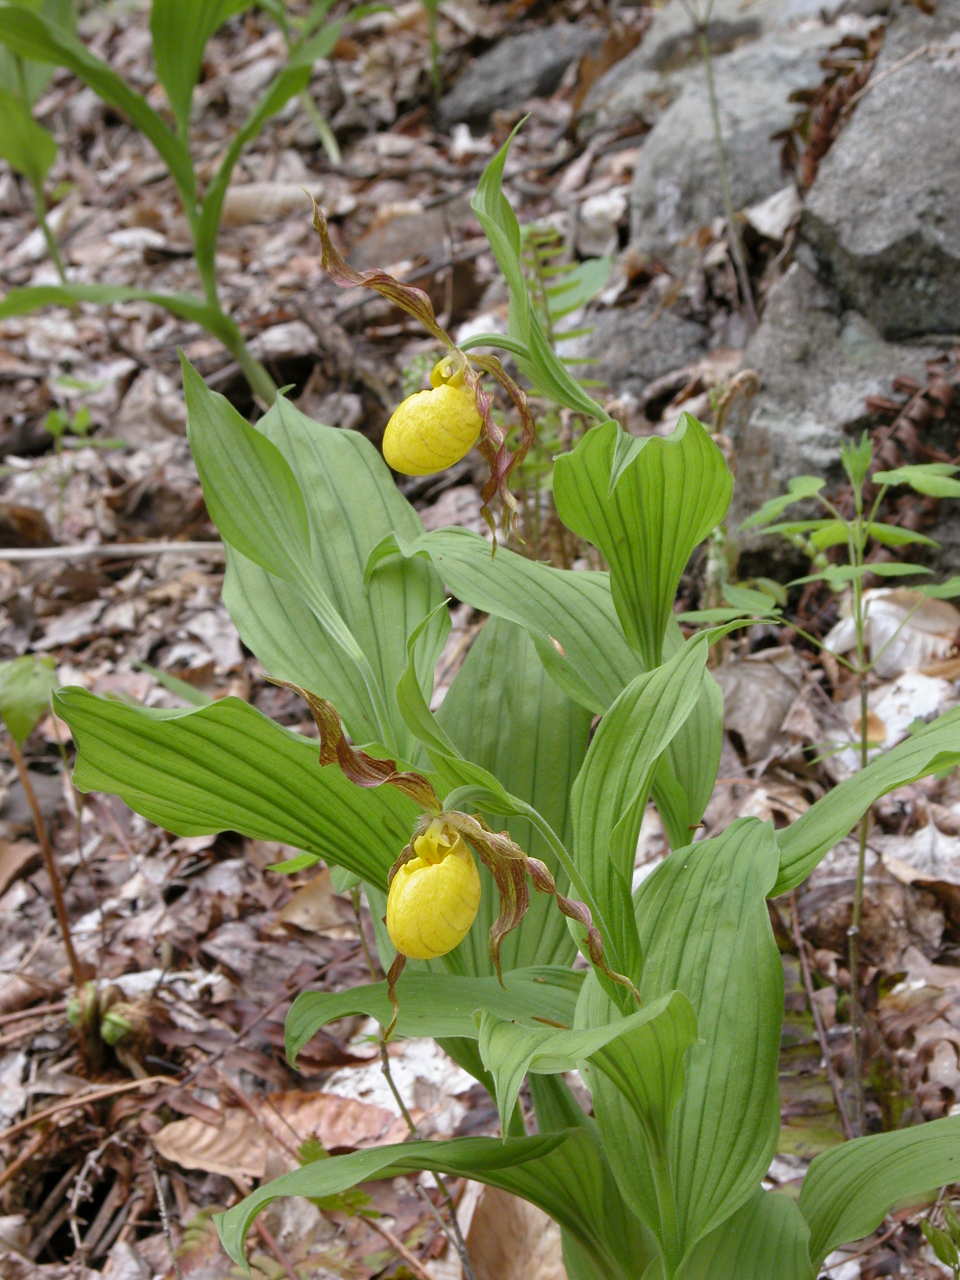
(906,630)
(893,708)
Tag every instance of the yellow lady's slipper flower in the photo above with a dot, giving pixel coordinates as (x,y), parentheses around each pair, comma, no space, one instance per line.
(431,430)
(434,896)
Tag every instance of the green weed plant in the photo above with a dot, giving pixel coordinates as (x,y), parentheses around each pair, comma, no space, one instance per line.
(37,35)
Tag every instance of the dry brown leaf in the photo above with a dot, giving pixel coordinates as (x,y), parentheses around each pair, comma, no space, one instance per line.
(264,202)
(15,856)
(314,906)
(244,1143)
(511,1239)
(758,693)
(237,1148)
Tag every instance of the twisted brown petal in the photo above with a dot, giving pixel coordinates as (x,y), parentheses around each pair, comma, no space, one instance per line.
(361,769)
(407,297)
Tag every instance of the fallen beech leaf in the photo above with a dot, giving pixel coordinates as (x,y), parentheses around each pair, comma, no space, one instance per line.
(313,907)
(237,1148)
(15,856)
(243,1144)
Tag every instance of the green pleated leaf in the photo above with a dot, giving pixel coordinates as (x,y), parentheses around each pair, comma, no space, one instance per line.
(572,622)
(26,146)
(646,504)
(933,748)
(257,502)
(226,767)
(768,1237)
(570,616)
(351,503)
(562,1173)
(704,928)
(453,770)
(25,78)
(29,35)
(611,789)
(625,1050)
(180,33)
(507,715)
(438,1004)
(847,1191)
(685,777)
(556,1110)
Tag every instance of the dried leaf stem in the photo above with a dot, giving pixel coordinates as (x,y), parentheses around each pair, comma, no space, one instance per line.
(49,861)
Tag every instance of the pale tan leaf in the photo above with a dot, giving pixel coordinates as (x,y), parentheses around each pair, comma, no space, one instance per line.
(15,856)
(511,1239)
(244,1144)
(314,906)
(236,1148)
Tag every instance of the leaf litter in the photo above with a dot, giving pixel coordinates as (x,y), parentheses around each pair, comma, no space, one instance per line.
(199,948)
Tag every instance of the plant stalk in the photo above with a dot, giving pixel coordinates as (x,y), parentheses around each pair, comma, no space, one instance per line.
(736,243)
(259,381)
(50,240)
(857,1117)
(50,865)
(666,1206)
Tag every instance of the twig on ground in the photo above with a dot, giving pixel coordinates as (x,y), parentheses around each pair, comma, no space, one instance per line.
(80,1100)
(164,1215)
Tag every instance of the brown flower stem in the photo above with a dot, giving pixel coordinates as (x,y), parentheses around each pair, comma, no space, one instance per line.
(451,1228)
(49,862)
(835,1088)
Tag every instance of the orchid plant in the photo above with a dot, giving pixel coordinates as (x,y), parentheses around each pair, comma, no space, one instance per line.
(667,995)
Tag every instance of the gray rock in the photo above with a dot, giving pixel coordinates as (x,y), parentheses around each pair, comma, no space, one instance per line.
(817,362)
(676,185)
(882,213)
(520,67)
(630,347)
(643,83)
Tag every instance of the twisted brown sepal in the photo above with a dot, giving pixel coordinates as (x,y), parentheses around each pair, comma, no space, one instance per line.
(494,448)
(507,863)
(407,297)
(393,977)
(579,911)
(358,767)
